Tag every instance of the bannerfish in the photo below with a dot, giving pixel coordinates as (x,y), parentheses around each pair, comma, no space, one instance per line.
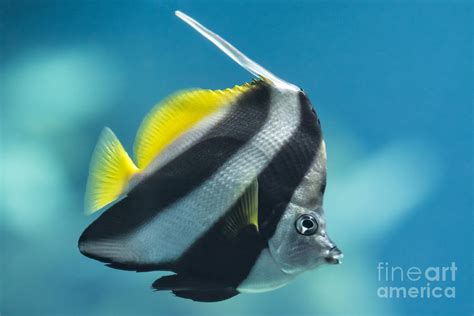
(225,191)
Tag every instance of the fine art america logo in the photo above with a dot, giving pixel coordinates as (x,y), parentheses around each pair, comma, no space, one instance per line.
(416,282)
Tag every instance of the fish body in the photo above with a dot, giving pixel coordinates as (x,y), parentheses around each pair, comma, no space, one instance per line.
(227,192)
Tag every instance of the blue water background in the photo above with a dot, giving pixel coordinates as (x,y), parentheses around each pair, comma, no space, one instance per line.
(391,81)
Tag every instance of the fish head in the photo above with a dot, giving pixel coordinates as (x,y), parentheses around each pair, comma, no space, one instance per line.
(301,243)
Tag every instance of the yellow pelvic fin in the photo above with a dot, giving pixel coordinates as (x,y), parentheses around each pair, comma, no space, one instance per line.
(243,213)
(176,114)
(110,171)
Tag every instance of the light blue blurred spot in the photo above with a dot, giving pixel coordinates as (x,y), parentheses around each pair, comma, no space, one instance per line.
(49,90)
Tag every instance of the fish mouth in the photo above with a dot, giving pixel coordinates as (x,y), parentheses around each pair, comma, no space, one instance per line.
(335,256)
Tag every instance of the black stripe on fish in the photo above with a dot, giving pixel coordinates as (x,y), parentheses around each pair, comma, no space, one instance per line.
(218,259)
(181,175)
(282,176)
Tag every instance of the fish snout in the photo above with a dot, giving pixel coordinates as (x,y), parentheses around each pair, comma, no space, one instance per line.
(334,256)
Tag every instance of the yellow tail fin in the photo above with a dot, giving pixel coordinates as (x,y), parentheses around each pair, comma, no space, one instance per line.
(110,171)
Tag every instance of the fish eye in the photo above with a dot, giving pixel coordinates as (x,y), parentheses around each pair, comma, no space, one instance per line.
(306,225)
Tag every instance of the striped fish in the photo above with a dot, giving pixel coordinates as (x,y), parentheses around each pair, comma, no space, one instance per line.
(225,191)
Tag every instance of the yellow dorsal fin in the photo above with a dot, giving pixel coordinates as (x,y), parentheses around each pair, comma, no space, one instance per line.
(243,213)
(110,171)
(176,114)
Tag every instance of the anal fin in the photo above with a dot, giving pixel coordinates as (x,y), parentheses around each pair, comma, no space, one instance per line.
(195,289)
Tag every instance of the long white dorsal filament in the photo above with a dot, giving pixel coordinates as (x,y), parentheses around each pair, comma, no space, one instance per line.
(235,54)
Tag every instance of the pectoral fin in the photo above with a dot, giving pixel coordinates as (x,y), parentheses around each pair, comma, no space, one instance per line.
(243,213)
